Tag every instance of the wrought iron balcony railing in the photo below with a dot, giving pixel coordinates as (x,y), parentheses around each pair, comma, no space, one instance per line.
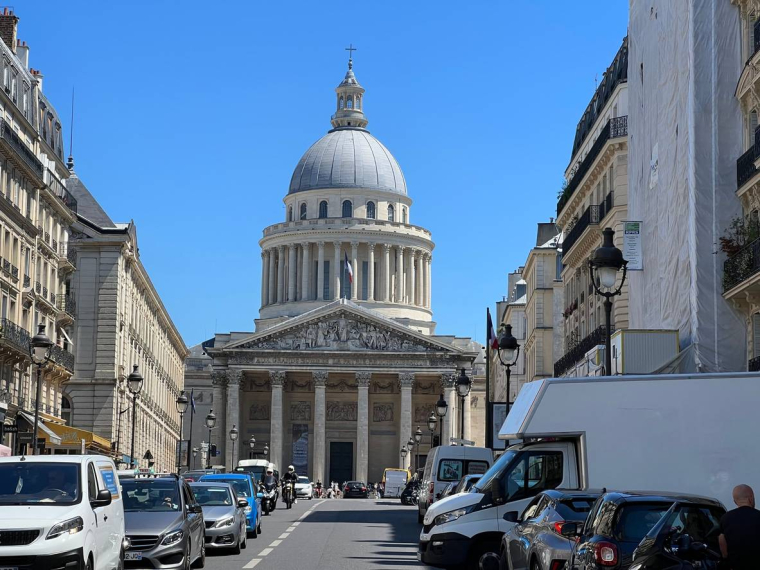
(37,287)
(44,292)
(27,281)
(592,216)
(47,238)
(23,152)
(14,272)
(57,187)
(745,167)
(52,298)
(756,35)
(67,304)
(63,357)
(742,265)
(576,353)
(14,335)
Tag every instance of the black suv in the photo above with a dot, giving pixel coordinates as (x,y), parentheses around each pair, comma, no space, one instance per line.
(617,523)
(163,522)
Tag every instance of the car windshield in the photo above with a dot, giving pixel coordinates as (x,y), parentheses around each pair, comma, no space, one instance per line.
(575,509)
(304,480)
(210,496)
(241,486)
(256,470)
(150,495)
(30,483)
(635,520)
(494,472)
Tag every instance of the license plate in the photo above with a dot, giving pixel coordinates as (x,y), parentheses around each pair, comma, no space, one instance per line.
(128,556)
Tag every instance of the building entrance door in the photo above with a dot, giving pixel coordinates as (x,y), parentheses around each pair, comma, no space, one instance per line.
(341,461)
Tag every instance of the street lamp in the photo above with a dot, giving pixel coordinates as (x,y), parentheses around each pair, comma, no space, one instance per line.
(182,404)
(195,455)
(134,384)
(210,424)
(403,456)
(607,261)
(508,351)
(464,385)
(266,450)
(233,438)
(432,422)
(417,440)
(39,349)
(441,408)
(252,443)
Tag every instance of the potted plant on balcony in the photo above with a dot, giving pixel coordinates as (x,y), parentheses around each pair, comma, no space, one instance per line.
(740,232)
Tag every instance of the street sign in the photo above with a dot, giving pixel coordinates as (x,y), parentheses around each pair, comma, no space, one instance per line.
(25,437)
(10,428)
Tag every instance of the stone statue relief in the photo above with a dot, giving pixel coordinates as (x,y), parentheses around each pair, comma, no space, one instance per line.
(300,411)
(258,412)
(341,411)
(382,412)
(422,413)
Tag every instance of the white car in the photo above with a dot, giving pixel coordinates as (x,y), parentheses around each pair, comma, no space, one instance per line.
(304,488)
(61,510)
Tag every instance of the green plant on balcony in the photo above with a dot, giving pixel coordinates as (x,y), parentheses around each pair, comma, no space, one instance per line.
(740,232)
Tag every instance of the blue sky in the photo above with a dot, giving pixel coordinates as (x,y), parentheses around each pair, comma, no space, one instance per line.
(190,117)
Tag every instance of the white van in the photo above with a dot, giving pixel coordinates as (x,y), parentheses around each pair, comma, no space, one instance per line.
(256,467)
(60,511)
(447,463)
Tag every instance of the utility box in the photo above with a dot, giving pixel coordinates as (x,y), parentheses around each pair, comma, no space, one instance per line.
(642,351)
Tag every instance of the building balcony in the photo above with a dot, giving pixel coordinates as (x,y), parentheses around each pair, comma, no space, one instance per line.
(59,190)
(62,357)
(578,351)
(66,257)
(67,309)
(38,287)
(741,272)
(27,282)
(745,165)
(754,365)
(615,128)
(21,153)
(15,337)
(332,224)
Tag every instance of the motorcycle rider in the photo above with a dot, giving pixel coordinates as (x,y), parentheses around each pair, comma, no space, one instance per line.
(291,478)
(319,488)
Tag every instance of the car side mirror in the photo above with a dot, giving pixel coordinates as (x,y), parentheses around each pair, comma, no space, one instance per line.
(196,508)
(496,491)
(511,516)
(259,495)
(438,496)
(103,499)
(571,530)
(242,503)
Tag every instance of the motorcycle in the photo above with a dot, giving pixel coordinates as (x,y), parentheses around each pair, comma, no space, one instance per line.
(415,498)
(288,493)
(318,492)
(269,502)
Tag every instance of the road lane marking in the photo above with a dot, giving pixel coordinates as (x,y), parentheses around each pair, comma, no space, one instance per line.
(291,529)
(284,535)
(296,523)
(252,563)
(265,551)
(275,543)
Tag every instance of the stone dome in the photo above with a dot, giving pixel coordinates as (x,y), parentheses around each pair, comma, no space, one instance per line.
(348,157)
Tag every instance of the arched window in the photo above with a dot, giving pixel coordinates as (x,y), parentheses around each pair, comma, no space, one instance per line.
(66,410)
(358,102)
(391,213)
(323,209)
(371,210)
(403,215)
(350,103)
(303,211)
(348,209)
(340,102)
(290,213)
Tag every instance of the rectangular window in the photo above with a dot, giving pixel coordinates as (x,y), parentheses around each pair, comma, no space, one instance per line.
(534,472)
(365,280)
(326,284)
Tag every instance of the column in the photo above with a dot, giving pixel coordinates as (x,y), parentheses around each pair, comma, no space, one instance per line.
(386,272)
(318,471)
(281,274)
(219,381)
(412,279)
(399,274)
(467,432)
(306,272)
(336,270)
(299,276)
(233,417)
(292,262)
(355,266)
(320,292)
(264,277)
(429,269)
(276,380)
(371,272)
(406,382)
(449,421)
(362,425)
(272,272)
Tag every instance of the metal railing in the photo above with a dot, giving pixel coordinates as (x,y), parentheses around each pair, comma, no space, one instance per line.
(52,298)
(37,287)
(742,265)
(57,187)
(62,356)
(578,352)
(44,292)
(55,244)
(9,136)
(617,127)
(47,238)
(593,215)
(754,364)
(14,335)
(27,281)
(67,304)
(14,271)
(756,37)
(745,167)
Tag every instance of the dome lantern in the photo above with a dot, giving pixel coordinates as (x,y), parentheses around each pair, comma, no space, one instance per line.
(349,101)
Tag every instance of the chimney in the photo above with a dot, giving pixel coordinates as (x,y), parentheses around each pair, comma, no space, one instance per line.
(22,51)
(8,26)
(37,74)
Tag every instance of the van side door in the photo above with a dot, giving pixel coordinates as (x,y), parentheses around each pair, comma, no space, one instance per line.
(196,528)
(114,523)
(99,524)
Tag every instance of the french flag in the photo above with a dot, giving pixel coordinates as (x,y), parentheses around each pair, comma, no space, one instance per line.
(493,342)
(350,269)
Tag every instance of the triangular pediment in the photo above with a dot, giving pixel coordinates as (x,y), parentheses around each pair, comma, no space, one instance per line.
(342,326)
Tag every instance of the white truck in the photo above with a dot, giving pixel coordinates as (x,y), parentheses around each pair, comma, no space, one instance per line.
(395,481)
(681,433)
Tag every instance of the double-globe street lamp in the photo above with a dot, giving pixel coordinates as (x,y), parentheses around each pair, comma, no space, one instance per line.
(607,261)
(195,455)
(410,447)
(134,384)
(182,404)
(404,451)
(210,424)
(464,385)
(252,444)
(508,351)
(441,408)
(233,438)
(39,349)
(266,450)
(431,423)
(417,439)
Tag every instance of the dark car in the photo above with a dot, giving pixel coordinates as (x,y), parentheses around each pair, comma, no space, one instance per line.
(466,483)
(163,522)
(355,489)
(616,525)
(406,494)
(536,541)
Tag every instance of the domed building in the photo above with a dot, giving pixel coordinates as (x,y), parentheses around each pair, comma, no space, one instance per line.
(344,364)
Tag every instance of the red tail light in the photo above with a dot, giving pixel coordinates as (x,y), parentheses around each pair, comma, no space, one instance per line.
(605,554)
(558,527)
(364,488)
(346,490)
(558,565)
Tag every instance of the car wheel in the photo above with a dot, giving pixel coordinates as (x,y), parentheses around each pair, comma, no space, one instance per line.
(188,553)
(484,556)
(236,548)
(243,538)
(201,560)
(535,565)
(88,566)
(258,527)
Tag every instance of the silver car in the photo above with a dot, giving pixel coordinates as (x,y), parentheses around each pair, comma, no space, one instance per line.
(224,515)
(536,541)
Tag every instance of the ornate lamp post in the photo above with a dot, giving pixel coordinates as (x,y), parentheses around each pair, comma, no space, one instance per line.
(210,424)
(39,349)
(233,438)
(182,404)
(431,423)
(404,451)
(441,408)
(266,450)
(195,455)
(607,261)
(252,444)
(464,385)
(134,384)
(417,440)
(508,351)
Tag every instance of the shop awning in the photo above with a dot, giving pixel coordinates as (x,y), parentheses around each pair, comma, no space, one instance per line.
(43,429)
(73,436)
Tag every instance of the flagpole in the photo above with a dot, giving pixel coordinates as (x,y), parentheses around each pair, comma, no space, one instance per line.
(190,436)
(489,435)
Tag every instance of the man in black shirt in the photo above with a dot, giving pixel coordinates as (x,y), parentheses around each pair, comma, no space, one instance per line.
(740,531)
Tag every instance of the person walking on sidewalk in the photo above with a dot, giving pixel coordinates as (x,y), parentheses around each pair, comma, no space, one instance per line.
(740,531)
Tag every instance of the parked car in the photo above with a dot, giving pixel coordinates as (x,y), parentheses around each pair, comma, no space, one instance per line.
(164,523)
(245,488)
(406,494)
(617,524)
(355,489)
(536,541)
(223,514)
(466,483)
(448,490)
(195,475)
(60,511)
(304,488)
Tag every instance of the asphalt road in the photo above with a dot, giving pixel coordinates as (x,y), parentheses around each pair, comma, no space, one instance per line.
(332,534)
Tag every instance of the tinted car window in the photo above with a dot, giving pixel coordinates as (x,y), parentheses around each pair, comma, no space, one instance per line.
(39,483)
(574,509)
(240,485)
(533,473)
(635,520)
(209,496)
(450,470)
(150,495)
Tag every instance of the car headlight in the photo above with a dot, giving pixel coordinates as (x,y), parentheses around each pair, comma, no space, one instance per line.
(71,526)
(451,516)
(224,522)
(172,538)
(248,509)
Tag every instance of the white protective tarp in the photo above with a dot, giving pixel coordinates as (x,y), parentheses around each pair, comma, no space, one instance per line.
(684,64)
